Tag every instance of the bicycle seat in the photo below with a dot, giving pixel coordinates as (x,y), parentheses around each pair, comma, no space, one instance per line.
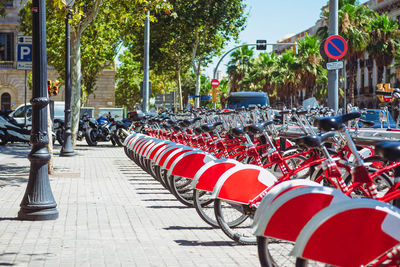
(177,128)
(172,122)
(287,111)
(166,126)
(388,150)
(313,141)
(198,130)
(257,128)
(238,131)
(367,123)
(335,123)
(210,127)
(188,122)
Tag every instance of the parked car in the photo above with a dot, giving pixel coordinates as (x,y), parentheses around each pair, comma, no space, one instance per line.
(376,115)
(246,99)
(19,113)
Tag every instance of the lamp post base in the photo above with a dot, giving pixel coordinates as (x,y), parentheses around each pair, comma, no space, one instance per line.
(67,153)
(38,215)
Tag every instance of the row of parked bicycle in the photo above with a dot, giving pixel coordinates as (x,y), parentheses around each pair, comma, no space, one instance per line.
(312,200)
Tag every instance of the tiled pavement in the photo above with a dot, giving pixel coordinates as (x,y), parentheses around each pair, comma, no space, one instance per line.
(111,213)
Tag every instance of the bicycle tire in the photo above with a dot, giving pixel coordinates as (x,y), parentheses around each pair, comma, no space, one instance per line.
(242,235)
(205,210)
(180,189)
(273,252)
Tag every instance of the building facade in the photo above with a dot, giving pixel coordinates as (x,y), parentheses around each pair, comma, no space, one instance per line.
(365,79)
(13,80)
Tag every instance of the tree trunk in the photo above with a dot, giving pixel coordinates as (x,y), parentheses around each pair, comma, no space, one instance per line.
(50,144)
(380,74)
(198,83)
(76,78)
(178,76)
(351,72)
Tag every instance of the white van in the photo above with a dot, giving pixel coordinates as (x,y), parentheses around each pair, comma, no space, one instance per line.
(19,113)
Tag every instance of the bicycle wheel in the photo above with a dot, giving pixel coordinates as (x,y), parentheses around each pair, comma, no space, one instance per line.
(235,222)
(303,263)
(383,184)
(180,188)
(273,252)
(203,203)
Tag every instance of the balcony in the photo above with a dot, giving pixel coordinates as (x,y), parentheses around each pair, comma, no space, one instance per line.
(7,65)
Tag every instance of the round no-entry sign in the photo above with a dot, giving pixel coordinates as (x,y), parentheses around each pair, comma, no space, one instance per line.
(214,83)
(335,47)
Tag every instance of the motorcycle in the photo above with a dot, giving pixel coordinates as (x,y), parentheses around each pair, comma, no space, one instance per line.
(11,131)
(103,129)
(59,129)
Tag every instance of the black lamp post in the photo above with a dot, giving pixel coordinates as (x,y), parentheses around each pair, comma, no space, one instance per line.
(67,150)
(38,202)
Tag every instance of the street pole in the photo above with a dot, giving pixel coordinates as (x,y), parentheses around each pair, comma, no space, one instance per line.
(38,202)
(146,93)
(333,75)
(67,150)
(229,51)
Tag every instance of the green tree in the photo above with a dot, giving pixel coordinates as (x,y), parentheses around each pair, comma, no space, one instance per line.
(95,34)
(239,65)
(129,76)
(384,42)
(287,75)
(310,60)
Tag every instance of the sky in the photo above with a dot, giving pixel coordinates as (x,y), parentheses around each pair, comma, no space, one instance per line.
(272,20)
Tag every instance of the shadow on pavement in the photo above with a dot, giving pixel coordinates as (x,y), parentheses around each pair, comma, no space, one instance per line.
(207,244)
(155,193)
(160,199)
(189,228)
(168,207)
(17,150)
(8,219)
(13,175)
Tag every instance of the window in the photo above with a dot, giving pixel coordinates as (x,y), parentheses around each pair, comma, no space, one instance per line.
(370,76)
(8,3)
(362,79)
(6,46)
(5,101)
(398,21)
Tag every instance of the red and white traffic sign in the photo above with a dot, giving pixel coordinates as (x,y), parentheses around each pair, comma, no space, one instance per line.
(335,47)
(214,83)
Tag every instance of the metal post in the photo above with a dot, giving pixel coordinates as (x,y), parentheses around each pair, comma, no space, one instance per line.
(38,202)
(146,93)
(25,96)
(67,150)
(333,75)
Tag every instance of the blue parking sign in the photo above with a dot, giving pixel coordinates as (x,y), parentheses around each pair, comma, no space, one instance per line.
(24,52)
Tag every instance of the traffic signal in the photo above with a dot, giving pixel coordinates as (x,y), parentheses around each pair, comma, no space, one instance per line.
(56,86)
(261,45)
(53,87)
(49,89)
(294,47)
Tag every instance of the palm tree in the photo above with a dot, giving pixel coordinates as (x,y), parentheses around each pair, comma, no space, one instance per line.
(310,59)
(239,65)
(287,75)
(259,76)
(383,44)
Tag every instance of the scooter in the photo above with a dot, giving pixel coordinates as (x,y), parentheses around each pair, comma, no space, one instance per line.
(11,131)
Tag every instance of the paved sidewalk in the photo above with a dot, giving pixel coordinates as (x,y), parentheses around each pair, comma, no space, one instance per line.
(111,214)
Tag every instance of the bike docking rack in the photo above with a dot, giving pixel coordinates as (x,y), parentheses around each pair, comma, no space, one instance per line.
(360,136)
(317,223)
